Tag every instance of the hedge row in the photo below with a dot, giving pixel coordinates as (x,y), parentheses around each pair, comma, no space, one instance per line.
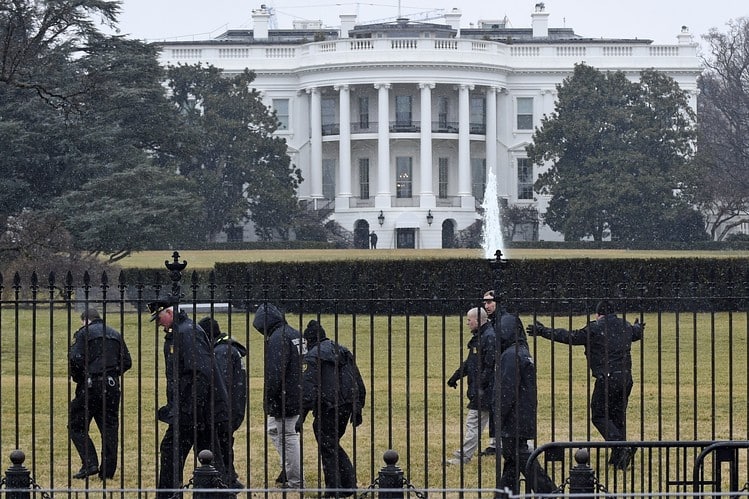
(418,286)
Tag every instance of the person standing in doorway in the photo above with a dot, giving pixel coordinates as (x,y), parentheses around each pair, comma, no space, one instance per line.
(97,359)
(372,240)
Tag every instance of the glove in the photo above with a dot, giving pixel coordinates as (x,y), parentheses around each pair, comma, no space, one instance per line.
(299,423)
(642,324)
(356,418)
(535,329)
(453,381)
(165,414)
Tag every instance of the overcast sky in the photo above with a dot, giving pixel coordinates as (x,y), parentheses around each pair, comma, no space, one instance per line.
(658,20)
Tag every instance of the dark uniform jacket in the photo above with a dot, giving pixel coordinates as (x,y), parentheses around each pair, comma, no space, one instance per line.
(608,343)
(192,378)
(331,378)
(517,401)
(229,354)
(283,362)
(97,351)
(479,368)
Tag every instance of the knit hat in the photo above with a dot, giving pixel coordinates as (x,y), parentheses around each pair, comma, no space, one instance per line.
(313,333)
(211,327)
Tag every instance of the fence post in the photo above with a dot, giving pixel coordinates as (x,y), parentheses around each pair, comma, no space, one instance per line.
(391,476)
(206,476)
(17,477)
(582,478)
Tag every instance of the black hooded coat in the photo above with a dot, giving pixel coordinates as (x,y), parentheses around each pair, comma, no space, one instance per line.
(283,362)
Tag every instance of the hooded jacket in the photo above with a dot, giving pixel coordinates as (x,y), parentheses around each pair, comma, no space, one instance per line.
(331,378)
(192,380)
(283,362)
(518,403)
(229,354)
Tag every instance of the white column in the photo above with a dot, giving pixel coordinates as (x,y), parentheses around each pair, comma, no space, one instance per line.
(315,123)
(427,198)
(491,132)
(382,200)
(344,147)
(464,145)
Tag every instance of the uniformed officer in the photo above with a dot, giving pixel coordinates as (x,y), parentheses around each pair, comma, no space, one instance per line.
(333,390)
(196,409)
(97,358)
(229,355)
(608,343)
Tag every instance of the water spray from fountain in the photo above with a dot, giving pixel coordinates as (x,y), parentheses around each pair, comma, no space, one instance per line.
(491,239)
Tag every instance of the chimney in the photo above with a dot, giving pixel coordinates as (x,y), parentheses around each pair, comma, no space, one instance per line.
(685,37)
(452,19)
(540,21)
(348,21)
(260,22)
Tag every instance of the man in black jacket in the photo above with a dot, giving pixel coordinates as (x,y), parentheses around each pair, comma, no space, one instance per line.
(334,392)
(608,344)
(517,407)
(229,355)
(282,389)
(97,359)
(479,368)
(197,402)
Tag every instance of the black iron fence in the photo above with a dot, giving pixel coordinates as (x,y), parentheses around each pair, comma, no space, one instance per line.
(690,383)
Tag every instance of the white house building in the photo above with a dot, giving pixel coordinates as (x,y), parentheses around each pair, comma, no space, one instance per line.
(396,125)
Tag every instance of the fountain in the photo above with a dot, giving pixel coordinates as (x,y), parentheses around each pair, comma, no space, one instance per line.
(491,239)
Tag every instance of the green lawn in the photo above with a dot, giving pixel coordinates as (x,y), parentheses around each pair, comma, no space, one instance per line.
(681,393)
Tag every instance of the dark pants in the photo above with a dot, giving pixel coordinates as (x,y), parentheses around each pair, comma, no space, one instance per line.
(226,440)
(174,451)
(100,402)
(516,453)
(329,426)
(608,404)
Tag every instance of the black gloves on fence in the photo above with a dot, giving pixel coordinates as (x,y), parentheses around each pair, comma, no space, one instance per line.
(535,329)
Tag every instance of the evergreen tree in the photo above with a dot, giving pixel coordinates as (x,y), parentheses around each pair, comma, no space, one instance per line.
(230,151)
(616,152)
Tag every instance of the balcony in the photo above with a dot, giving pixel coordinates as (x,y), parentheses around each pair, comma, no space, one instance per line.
(452,127)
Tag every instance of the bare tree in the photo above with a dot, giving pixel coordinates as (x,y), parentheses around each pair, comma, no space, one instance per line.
(720,186)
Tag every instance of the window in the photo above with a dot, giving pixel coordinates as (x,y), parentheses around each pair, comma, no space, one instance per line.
(328,178)
(403,111)
(329,122)
(443,175)
(525,113)
(442,108)
(364,113)
(477,110)
(281,106)
(364,178)
(404,177)
(478,175)
(525,179)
